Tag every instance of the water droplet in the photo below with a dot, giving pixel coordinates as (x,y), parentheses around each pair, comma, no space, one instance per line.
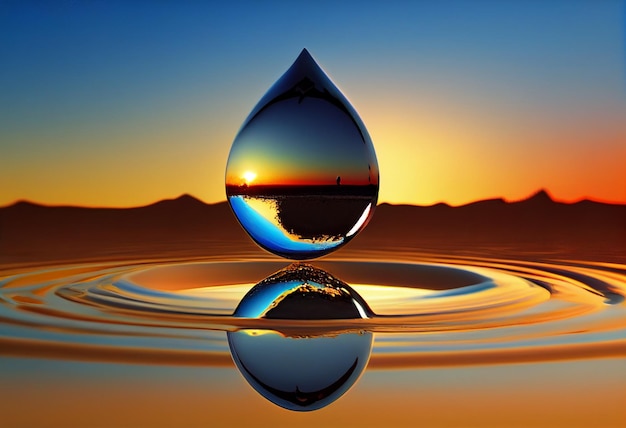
(301,367)
(302,176)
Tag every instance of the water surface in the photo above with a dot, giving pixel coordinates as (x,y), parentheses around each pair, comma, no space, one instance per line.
(492,335)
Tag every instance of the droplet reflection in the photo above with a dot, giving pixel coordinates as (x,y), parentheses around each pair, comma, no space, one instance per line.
(301,291)
(300,373)
(302,176)
(301,368)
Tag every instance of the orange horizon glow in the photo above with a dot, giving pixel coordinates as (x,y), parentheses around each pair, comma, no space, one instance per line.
(380,202)
(421,163)
(248,177)
(454,113)
(276,179)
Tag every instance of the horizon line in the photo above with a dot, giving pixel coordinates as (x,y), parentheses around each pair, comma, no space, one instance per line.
(537,193)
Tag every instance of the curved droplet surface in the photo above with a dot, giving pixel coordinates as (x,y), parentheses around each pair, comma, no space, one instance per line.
(300,373)
(302,175)
(301,291)
(301,368)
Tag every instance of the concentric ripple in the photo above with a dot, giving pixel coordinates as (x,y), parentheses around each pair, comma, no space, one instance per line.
(438,311)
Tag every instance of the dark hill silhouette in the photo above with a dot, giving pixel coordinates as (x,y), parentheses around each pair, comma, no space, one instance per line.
(187,227)
(534,226)
(541,196)
(184,201)
(178,227)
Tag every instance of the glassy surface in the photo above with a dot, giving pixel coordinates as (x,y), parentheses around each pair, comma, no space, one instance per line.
(300,372)
(519,342)
(301,291)
(302,176)
(301,368)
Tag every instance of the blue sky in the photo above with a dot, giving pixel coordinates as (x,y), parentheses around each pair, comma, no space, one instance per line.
(122,103)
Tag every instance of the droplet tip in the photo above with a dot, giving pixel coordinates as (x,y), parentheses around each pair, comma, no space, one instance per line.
(305,53)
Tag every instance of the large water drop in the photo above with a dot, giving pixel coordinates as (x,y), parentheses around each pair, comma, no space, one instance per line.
(304,366)
(302,176)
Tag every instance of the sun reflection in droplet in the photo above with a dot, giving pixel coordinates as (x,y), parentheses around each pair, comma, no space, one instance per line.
(248,177)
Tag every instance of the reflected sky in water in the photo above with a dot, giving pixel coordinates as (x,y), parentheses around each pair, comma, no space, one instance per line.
(532,343)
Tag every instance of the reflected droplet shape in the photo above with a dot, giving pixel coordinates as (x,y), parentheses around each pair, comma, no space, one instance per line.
(301,367)
(301,291)
(300,373)
(302,176)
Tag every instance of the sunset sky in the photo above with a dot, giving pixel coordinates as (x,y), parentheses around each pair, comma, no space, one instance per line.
(122,103)
(302,140)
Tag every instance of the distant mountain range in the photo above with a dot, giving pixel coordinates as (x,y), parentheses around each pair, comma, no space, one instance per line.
(187,227)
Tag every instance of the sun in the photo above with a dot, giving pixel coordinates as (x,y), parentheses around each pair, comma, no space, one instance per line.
(249,176)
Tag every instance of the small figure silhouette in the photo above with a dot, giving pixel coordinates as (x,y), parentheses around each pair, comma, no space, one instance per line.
(338,181)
